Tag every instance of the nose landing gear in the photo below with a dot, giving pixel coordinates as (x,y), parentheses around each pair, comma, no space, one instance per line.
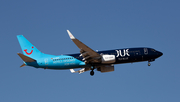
(149,64)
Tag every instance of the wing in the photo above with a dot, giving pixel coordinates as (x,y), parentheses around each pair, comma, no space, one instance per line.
(89,55)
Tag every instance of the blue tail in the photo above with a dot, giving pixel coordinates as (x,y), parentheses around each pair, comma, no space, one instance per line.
(28,49)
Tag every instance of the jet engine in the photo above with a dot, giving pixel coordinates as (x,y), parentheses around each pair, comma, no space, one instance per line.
(108,59)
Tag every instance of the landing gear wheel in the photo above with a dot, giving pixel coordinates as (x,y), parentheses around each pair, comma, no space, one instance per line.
(92,73)
(149,64)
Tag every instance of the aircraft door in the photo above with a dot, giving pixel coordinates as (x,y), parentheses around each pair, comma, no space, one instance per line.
(145,51)
(46,61)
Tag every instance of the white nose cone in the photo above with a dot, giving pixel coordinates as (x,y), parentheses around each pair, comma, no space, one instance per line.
(70,35)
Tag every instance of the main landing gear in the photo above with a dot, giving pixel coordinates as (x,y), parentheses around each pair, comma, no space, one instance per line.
(92,71)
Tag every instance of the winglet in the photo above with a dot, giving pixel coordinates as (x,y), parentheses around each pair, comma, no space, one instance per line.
(70,35)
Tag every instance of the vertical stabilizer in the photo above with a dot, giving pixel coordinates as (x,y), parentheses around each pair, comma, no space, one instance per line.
(27,48)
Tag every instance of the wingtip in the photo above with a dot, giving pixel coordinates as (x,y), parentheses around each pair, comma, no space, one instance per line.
(70,34)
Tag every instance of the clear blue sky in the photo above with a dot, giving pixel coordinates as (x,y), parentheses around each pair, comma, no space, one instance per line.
(102,25)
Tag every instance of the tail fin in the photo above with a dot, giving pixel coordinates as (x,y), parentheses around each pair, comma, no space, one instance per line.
(28,49)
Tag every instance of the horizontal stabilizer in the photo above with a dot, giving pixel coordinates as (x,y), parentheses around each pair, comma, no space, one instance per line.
(25,58)
(73,71)
(23,65)
(79,71)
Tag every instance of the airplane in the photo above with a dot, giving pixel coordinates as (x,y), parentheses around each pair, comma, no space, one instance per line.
(87,59)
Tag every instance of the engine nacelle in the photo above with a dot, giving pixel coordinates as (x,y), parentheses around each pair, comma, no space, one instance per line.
(106,68)
(108,58)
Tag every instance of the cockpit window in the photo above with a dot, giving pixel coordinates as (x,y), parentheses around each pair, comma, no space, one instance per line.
(153,50)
